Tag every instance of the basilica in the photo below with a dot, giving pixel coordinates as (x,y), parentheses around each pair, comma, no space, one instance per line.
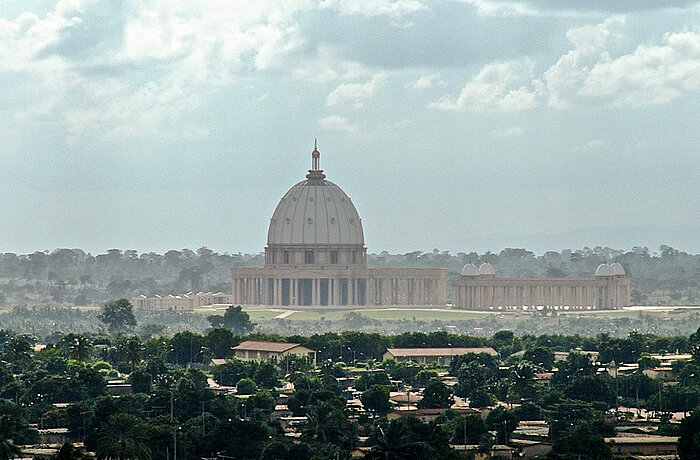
(316,256)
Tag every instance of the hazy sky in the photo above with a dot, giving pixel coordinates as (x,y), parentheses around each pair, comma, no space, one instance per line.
(160,124)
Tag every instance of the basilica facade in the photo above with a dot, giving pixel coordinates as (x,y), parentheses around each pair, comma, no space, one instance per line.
(316,256)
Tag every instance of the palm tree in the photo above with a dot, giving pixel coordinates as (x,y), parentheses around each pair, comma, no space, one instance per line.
(397,442)
(133,349)
(76,346)
(121,439)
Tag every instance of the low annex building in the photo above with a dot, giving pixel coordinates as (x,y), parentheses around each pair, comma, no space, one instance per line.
(441,356)
(262,351)
(182,302)
(480,289)
(316,256)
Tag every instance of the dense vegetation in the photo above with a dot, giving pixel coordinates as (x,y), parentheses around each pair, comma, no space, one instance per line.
(72,276)
(173,410)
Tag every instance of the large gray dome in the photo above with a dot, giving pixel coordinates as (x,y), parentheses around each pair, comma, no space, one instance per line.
(315,211)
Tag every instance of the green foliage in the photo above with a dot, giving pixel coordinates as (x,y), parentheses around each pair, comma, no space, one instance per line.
(220,342)
(436,396)
(580,441)
(246,387)
(122,438)
(376,399)
(504,422)
(592,388)
(467,429)
(232,371)
(235,319)
(407,438)
(75,346)
(369,379)
(689,440)
(118,315)
(576,365)
(266,375)
(540,356)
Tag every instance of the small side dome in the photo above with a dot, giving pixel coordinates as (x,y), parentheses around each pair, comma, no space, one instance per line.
(470,270)
(604,270)
(486,269)
(617,269)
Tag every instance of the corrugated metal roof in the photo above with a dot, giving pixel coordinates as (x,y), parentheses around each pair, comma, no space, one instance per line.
(439,351)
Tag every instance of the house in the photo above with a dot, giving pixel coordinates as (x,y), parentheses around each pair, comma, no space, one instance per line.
(658,372)
(646,445)
(441,356)
(251,350)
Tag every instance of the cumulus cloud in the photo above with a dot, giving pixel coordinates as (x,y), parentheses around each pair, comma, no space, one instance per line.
(126,71)
(649,75)
(500,86)
(356,93)
(336,123)
(589,73)
(327,66)
(426,81)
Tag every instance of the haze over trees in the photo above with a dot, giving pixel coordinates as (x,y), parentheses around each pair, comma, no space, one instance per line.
(72,276)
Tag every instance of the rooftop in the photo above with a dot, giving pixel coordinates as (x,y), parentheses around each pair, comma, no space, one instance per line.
(454,351)
(266,346)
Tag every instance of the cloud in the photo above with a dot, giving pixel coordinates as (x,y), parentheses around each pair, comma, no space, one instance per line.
(356,93)
(337,123)
(129,71)
(590,72)
(651,74)
(513,131)
(370,8)
(426,81)
(498,87)
(327,66)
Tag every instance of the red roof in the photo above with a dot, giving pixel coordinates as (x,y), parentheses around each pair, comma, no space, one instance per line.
(439,351)
(278,347)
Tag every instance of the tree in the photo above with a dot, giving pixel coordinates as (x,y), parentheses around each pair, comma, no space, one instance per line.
(220,342)
(504,422)
(232,371)
(542,356)
(407,438)
(580,441)
(122,438)
(689,441)
(436,396)
(76,346)
(118,315)
(235,319)
(376,399)
(246,387)
(69,452)
(368,379)
(8,448)
(266,375)
(468,429)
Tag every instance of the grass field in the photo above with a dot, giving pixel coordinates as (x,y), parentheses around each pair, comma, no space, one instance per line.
(398,314)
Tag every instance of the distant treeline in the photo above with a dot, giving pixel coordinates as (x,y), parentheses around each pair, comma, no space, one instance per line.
(72,276)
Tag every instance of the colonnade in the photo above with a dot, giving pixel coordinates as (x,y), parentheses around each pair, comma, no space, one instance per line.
(356,288)
(510,293)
